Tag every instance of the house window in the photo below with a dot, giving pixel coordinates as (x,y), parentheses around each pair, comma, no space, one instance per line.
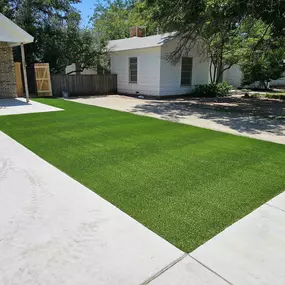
(186,71)
(133,69)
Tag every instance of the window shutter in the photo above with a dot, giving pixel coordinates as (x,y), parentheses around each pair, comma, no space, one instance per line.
(133,69)
(186,71)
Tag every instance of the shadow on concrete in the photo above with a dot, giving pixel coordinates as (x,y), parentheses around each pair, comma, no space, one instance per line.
(243,123)
(252,106)
(4,103)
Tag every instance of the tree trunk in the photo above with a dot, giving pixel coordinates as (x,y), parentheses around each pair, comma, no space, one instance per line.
(219,76)
(77,68)
(265,84)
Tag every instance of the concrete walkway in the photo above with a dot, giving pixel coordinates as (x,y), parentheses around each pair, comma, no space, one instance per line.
(54,230)
(252,251)
(183,112)
(20,106)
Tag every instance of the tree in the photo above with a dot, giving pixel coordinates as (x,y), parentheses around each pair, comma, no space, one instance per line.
(219,27)
(268,11)
(211,26)
(265,63)
(55,26)
(263,53)
(222,46)
(70,44)
(113,19)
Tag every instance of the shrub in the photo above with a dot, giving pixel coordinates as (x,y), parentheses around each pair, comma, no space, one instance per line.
(212,90)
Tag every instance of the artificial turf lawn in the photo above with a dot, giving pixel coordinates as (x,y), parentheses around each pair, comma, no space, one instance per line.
(185,183)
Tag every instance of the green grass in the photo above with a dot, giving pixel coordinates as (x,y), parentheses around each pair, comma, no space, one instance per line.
(185,183)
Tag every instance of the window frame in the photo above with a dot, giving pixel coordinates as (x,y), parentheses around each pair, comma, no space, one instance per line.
(130,70)
(183,71)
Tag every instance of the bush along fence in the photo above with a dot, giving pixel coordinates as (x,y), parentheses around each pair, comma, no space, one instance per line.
(83,85)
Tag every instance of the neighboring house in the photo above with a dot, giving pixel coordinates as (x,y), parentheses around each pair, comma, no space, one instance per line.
(278,82)
(142,68)
(71,70)
(10,35)
(233,76)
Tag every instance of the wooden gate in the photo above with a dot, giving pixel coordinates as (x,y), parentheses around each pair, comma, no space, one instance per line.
(43,82)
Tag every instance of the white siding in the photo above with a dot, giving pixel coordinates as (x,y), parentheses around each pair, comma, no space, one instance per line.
(148,71)
(170,75)
(278,82)
(233,76)
(89,71)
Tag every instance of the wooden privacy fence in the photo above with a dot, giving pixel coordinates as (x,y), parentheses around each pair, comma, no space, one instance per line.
(38,79)
(78,85)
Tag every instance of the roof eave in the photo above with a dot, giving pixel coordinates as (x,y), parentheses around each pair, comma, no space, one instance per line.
(12,33)
(14,44)
(136,48)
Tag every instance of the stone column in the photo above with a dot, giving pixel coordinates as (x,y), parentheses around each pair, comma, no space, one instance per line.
(7,72)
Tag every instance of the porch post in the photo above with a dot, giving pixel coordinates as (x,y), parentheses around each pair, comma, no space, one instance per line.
(25,73)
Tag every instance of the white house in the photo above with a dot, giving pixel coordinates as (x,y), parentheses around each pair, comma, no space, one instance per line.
(71,70)
(142,68)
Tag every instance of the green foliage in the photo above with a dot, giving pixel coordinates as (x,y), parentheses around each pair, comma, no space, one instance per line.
(210,25)
(269,12)
(212,90)
(222,27)
(265,63)
(181,15)
(55,27)
(113,19)
(83,47)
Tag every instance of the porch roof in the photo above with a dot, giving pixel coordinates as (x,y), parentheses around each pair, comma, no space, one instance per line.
(12,33)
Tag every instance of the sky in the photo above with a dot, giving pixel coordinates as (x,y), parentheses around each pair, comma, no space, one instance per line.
(86,7)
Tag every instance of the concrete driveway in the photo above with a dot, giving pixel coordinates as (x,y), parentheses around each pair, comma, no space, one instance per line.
(185,112)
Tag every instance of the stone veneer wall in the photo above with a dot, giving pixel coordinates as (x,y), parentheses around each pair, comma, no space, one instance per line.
(7,72)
